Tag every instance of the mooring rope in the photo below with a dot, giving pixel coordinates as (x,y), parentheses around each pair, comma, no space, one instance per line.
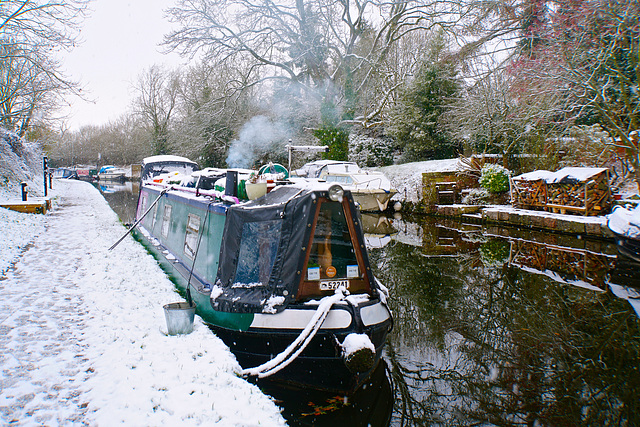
(162,193)
(301,342)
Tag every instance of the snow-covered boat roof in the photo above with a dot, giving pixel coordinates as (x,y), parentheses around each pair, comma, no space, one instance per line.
(165,158)
(563,175)
(315,169)
(625,222)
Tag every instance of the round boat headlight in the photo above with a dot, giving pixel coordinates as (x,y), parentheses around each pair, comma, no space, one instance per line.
(336,192)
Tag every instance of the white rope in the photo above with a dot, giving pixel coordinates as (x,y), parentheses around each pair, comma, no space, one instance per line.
(286,357)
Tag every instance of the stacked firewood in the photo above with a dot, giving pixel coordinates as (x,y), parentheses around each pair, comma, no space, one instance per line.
(590,198)
(570,195)
(529,194)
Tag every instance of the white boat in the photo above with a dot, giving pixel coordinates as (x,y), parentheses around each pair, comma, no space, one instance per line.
(112,173)
(625,224)
(371,190)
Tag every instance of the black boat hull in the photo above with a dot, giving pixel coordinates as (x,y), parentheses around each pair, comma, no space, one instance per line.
(320,366)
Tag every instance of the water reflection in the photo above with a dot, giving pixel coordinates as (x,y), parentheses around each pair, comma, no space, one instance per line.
(507,329)
(371,405)
(122,198)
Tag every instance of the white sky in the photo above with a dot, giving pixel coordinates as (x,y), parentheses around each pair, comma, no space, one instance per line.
(120,40)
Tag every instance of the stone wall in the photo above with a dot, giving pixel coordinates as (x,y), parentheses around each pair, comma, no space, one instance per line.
(431,179)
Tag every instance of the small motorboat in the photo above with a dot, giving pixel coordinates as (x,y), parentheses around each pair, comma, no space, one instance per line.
(371,190)
(112,173)
(624,222)
(161,165)
(283,279)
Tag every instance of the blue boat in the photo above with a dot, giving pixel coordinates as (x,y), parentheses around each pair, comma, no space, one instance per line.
(283,279)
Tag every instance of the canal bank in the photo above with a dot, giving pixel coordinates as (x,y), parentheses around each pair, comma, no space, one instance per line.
(84,336)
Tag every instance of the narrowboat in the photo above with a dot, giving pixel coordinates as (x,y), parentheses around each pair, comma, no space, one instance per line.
(283,279)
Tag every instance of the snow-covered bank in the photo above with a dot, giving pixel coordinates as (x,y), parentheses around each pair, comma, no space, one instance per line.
(407,178)
(20,161)
(84,336)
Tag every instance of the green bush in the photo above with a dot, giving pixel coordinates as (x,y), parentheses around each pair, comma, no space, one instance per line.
(494,178)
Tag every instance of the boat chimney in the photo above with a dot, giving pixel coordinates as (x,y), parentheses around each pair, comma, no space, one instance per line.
(231,186)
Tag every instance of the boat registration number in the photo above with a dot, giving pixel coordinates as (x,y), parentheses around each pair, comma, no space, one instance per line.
(332,285)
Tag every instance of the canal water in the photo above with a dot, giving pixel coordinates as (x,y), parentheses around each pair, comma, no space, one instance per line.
(493,327)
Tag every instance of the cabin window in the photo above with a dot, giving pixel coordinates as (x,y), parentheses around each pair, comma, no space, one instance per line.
(340,179)
(166,220)
(154,218)
(332,254)
(143,206)
(258,249)
(191,235)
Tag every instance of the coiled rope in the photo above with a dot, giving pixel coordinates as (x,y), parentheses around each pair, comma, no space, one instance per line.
(301,342)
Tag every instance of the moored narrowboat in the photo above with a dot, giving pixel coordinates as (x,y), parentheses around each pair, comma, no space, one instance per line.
(284,279)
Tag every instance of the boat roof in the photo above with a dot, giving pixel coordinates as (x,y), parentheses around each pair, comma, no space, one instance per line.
(315,169)
(166,158)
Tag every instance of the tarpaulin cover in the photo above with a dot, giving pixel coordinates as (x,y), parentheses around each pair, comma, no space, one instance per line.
(264,248)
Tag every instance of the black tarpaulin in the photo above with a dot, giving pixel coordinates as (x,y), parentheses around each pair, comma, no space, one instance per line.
(263,250)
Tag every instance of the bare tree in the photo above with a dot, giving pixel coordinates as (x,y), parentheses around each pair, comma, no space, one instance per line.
(498,115)
(31,32)
(157,97)
(209,112)
(331,48)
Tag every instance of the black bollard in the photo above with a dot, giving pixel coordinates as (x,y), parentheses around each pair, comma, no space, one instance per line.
(24,191)
(45,170)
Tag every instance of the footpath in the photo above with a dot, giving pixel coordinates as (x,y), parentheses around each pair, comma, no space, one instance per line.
(83,336)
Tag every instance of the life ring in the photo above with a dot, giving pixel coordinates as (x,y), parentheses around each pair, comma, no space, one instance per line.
(273,168)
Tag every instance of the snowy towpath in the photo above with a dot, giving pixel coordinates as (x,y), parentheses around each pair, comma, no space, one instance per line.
(83,337)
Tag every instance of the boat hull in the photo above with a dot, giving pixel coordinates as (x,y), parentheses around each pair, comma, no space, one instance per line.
(372,200)
(628,247)
(312,367)
(111,177)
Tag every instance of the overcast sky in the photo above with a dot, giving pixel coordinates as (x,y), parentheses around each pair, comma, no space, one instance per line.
(120,39)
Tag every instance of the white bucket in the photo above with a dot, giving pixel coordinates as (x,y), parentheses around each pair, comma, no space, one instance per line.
(256,190)
(179,317)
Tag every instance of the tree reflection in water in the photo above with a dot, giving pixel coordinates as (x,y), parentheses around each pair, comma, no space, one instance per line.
(480,342)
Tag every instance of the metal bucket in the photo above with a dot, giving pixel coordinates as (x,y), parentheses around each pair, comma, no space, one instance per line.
(179,317)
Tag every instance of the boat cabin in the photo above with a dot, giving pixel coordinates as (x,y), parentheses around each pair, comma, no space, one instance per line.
(293,244)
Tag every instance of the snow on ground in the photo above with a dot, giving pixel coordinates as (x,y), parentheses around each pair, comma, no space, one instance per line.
(83,333)
(17,230)
(407,178)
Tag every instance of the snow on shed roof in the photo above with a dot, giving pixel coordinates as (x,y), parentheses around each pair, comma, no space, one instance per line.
(564,174)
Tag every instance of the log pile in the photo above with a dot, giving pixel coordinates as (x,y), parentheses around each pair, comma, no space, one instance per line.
(583,191)
(589,198)
(529,194)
